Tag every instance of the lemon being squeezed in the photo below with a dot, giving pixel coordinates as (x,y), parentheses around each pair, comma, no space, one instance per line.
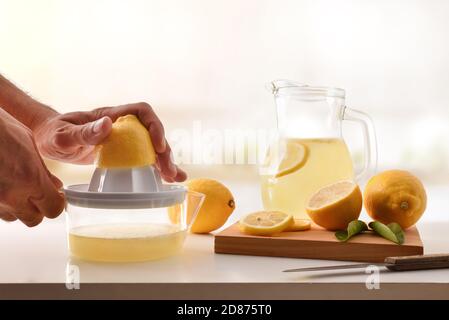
(127,146)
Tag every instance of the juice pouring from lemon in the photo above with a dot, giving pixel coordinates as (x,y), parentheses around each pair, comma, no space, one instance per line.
(305,166)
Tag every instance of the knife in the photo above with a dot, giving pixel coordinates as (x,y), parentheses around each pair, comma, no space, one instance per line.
(405,263)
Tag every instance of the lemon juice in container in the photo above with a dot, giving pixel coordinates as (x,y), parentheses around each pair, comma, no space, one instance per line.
(126,213)
(309,151)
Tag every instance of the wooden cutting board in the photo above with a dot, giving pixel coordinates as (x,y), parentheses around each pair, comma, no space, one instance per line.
(317,243)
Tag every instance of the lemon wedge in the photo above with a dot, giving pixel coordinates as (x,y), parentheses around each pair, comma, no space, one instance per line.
(127,146)
(295,158)
(334,206)
(299,225)
(265,223)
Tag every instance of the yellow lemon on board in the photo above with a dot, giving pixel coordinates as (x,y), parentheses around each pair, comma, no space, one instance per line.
(299,225)
(217,206)
(296,155)
(395,196)
(127,146)
(265,223)
(334,206)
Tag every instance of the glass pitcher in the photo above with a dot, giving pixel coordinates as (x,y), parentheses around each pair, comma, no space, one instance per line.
(309,151)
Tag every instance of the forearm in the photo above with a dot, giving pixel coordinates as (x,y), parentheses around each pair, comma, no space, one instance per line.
(21,106)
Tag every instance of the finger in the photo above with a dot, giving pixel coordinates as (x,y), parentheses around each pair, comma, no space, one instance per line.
(32,221)
(55,180)
(7,217)
(157,135)
(80,117)
(91,133)
(151,121)
(6,213)
(49,201)
(146,115)
(29,214)
(163,176)
(58,183)
(142,110)
(181,175)
(87,157)
(167,178)
(166,165)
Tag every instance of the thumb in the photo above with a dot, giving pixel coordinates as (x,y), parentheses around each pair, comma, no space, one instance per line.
(91,133)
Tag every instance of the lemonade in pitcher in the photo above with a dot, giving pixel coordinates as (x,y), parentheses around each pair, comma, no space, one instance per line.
(306,166)
(308,151)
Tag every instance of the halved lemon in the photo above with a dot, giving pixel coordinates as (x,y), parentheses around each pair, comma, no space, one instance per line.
(265,223)
(127,146)
(334,206)
(295,158)
(299,225)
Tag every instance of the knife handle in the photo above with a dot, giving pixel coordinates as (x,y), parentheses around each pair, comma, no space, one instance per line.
(420,262)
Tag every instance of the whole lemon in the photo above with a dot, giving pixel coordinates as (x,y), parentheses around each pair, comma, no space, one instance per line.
(127,146)
(395,196)
(217,206)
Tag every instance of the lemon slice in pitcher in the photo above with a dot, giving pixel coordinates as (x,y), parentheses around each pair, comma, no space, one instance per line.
(265,223)
(296,155)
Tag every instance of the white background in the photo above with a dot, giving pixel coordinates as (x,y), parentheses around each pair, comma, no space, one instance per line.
(209,61)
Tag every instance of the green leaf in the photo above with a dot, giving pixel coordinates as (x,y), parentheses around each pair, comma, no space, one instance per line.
(392,232)
(354,227)
(397,230)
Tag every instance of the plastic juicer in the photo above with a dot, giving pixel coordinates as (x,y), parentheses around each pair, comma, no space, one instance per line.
(128,214)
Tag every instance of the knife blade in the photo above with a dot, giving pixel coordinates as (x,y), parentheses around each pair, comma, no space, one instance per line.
(339,267)
(403,263)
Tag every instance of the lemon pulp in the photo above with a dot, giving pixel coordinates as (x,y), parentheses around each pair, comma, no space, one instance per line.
(331,194)
(334,206)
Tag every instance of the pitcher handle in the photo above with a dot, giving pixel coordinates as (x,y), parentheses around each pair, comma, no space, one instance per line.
(370,142)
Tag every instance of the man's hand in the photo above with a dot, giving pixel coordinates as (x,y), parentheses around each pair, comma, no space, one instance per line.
(72,137)
(28,191)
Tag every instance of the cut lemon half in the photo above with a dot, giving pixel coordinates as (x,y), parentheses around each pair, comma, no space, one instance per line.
(265,223)
(127,146)
(295,158)
(299,225)
(334,206)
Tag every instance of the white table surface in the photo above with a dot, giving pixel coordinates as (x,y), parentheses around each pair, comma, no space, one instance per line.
(33,263)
